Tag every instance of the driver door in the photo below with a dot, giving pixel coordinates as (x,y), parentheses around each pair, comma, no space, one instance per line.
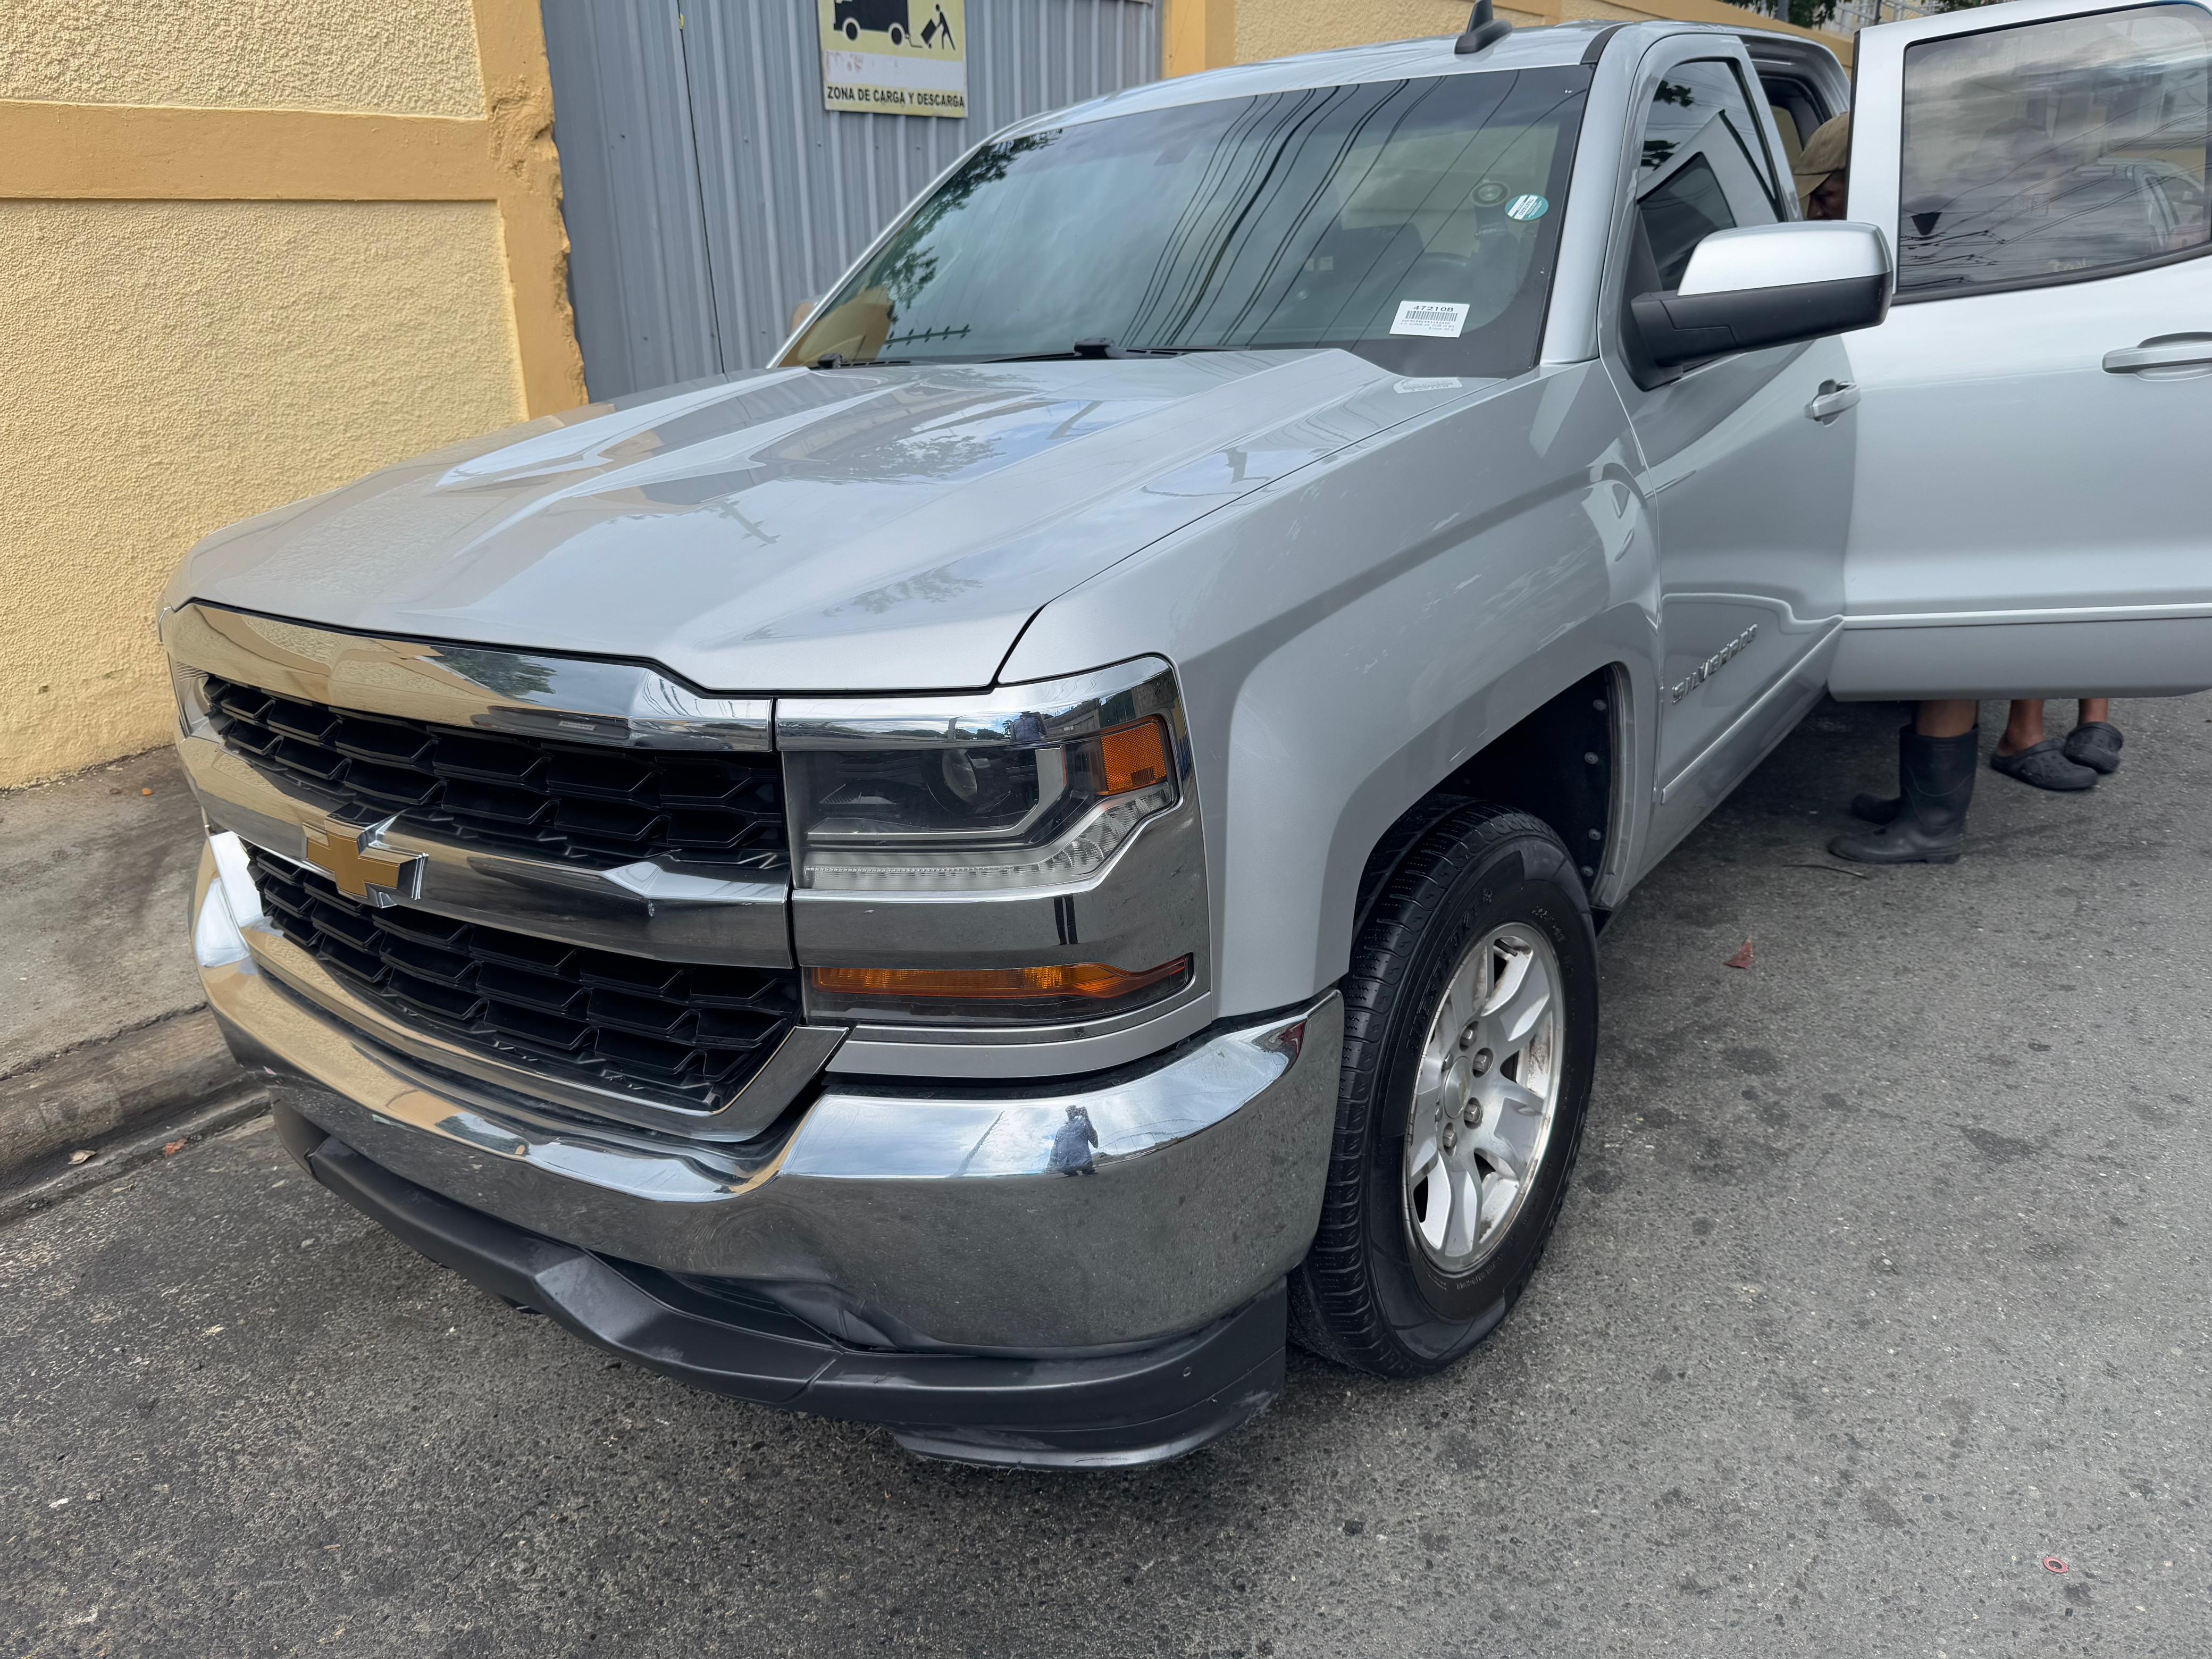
(1747,458)
(2036,417)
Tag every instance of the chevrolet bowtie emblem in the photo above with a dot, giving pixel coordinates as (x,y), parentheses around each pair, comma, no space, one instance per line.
(362,868)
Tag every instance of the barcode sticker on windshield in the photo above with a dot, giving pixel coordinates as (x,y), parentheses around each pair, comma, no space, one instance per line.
(1426,317)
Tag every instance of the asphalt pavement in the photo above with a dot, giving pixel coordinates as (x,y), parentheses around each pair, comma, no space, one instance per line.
(1876,1324)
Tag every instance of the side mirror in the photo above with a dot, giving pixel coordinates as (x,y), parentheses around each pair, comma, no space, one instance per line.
(1767,285)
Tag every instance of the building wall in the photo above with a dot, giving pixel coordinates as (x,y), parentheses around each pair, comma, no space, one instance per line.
(249,253)
(1278,28)
(178,365)
(402,57)
(708,192)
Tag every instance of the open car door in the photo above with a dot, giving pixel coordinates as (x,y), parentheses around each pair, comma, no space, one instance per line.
(2030,511)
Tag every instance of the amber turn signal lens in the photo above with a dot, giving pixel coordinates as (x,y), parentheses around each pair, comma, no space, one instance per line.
(1083,982)
(1134,758)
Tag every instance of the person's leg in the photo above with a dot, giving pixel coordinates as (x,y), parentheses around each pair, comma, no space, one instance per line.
(1951,717)
(2023,727)
(2095,742)
(1948,717)
(1936,758)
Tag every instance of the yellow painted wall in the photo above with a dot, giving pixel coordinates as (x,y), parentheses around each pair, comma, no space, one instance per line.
(250,250)
(402,57)
(1198,34)
(1280,29)
(175,366)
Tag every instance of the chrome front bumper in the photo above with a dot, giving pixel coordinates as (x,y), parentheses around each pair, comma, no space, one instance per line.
(1063,1217)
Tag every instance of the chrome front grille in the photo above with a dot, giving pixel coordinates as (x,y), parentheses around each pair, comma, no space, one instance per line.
(687,1035)
(588,803)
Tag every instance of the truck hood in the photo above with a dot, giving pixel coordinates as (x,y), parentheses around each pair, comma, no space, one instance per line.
(864,529)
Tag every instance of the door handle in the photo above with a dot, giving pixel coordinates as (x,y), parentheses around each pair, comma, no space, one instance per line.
(1836,397)
(2173,351)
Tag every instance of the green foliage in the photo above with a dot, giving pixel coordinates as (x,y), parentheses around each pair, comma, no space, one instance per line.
(1805,14)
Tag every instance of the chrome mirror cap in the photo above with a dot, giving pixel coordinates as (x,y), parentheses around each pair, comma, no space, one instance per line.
(1757,287)
(1785,256)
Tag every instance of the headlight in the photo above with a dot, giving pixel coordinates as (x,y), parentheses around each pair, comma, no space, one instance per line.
(1029,856)
(1025,787)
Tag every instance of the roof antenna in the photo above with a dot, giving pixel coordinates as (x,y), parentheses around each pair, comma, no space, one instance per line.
(1482,30)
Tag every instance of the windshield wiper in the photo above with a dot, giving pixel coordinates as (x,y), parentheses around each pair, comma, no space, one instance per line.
(1092,349)
(838,359)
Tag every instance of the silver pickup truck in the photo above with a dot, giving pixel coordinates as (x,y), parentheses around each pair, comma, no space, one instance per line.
(979,878)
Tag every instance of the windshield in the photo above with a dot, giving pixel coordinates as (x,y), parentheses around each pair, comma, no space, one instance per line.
(1412,222)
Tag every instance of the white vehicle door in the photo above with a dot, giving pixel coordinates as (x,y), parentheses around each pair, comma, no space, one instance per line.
(2029,515)
(1747,458)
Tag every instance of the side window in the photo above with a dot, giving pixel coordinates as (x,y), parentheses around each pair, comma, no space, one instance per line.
(1798,111)
(1705,165)
(2050,151)
(1793,142)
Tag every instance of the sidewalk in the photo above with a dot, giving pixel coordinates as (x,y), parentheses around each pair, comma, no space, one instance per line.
(101,1023)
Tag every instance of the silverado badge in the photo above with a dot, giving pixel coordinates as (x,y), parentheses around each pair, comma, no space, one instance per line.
(362,868)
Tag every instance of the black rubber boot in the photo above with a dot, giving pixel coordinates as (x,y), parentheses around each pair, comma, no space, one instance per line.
(1876,809)
(1937,777)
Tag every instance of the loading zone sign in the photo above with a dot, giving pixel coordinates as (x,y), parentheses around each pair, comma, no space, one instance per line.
(895,57)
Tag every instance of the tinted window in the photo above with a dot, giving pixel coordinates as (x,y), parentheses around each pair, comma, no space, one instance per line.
(1679,212)
(2050,150)
(1703,167)
(1701,107)
(1410,221)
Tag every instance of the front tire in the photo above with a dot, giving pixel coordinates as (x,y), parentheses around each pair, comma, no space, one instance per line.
(1470,1036)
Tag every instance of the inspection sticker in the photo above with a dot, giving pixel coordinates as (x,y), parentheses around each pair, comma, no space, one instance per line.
(1444,322)
(1525,208)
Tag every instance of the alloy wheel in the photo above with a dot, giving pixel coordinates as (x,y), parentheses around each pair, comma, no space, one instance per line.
(1484,1098)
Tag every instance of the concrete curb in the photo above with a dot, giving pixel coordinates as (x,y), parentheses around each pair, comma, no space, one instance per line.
(115,1160)
(92,1093)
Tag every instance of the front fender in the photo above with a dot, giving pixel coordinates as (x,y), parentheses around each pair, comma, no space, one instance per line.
(1350,636)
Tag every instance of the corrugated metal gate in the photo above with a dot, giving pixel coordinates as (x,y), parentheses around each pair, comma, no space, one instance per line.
(708,191)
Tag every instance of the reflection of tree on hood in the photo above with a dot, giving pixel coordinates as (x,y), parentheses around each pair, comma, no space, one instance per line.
(1072,1143)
